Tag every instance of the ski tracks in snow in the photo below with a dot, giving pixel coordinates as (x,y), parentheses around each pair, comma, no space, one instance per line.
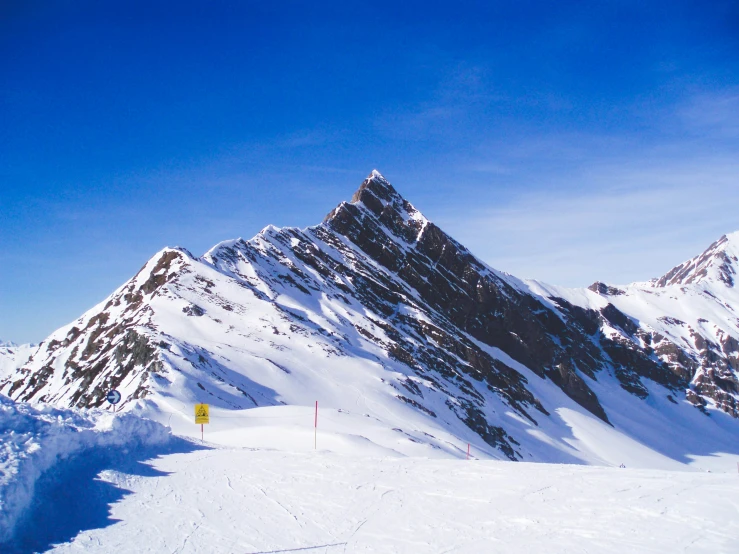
(247,502)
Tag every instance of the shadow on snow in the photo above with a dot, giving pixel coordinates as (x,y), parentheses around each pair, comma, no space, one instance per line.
(71,497)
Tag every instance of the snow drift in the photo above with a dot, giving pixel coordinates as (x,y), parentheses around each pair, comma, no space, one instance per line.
(33,438)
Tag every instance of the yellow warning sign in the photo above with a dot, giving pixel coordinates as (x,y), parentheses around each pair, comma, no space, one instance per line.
(202,413)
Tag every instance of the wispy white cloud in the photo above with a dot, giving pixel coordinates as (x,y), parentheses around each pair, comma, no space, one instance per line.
(614,224)
(578,206)
(715,114)
(460,91)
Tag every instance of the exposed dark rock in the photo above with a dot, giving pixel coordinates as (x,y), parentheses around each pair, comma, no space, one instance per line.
(619,319)
(193,310)
(631,361)
(159,274)
(412,402)
(696,400)
(605,290)
(671,320)
(566,378)
(495,436)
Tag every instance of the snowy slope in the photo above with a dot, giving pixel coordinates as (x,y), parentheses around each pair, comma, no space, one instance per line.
(350,496)
(259,484)
(718,264)
(382,317)
(242,501)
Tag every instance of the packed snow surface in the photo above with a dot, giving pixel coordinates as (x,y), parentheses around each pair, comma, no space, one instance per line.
(246,501)
(265,480)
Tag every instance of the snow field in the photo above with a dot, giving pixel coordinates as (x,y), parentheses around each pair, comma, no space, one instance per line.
(291,429)
(578,436)
(257,485)
(249,501)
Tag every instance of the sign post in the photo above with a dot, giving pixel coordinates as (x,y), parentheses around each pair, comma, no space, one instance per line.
(113,397)
(315,429)
(202,415)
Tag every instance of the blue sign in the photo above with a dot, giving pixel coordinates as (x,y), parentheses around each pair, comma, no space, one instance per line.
(114,397)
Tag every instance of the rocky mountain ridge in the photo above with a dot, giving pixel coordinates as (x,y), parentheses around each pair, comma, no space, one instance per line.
(718,263)
(379,308)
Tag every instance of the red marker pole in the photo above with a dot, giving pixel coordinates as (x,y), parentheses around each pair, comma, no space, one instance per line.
(315,429)
(468,451)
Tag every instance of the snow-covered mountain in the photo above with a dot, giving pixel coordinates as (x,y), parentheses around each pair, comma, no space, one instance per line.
(377,312)
(718,264)
(687,318)
(13,356)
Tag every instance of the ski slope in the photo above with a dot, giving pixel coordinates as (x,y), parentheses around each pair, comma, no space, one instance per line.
(258,484)
(248,501)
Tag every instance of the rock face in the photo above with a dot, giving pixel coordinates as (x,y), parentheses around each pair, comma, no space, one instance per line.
(717,263)
(379,302)
(686,319)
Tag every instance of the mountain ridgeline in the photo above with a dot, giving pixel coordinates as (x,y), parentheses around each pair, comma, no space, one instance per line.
(378,306)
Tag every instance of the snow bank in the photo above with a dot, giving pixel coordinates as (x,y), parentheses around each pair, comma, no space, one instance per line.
(33,438)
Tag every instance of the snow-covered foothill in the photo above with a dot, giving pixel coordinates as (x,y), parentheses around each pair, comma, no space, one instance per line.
(34,438)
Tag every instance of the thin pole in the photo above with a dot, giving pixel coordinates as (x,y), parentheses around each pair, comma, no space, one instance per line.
(201,433)
(315,429)
(468,451)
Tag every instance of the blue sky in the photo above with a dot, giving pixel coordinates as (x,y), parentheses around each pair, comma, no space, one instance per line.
(568,141)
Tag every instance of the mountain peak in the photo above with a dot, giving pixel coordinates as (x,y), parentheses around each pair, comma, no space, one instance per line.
(719,263)
(379,187)
(377,198)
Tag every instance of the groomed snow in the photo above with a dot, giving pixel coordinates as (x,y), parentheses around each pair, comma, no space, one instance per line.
(349,496)
(258,484)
